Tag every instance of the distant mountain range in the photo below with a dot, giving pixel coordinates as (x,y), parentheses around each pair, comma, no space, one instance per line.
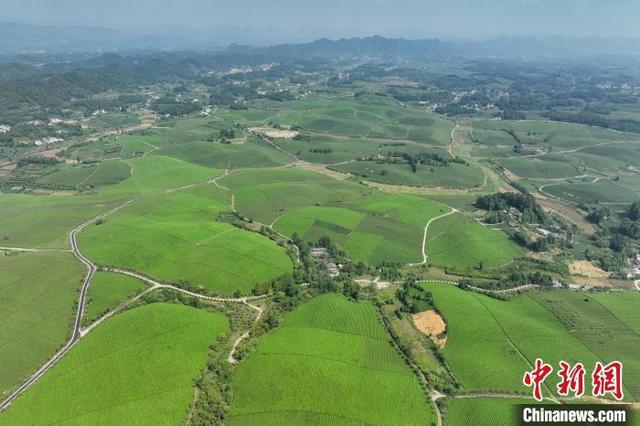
(18,39)
(499,47)
(34,39)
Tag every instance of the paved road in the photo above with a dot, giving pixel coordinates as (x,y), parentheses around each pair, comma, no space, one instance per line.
(77,330)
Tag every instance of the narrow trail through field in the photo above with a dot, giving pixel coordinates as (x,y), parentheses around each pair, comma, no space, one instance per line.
(92,174)
(22,249)
(457,126)
(150,145)
(424,236)
(567,151)
(557,181)
(78,332)
(232,204)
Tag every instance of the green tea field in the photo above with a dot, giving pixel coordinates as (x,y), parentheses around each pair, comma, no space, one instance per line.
(137,368)
(37,297)
(176,238)
(328,343)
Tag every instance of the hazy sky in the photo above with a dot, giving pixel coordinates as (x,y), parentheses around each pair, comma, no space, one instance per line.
(339,18)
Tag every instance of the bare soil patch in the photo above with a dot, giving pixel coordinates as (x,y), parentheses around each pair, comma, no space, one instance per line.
(270,132)
(587,269)
(433,325)
(319,168)
(567,212)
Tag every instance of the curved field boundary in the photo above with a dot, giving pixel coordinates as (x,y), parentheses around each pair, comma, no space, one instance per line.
(424,236)
(78,332)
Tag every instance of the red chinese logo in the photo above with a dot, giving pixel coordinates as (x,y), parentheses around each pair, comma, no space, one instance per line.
(571,379)
(608,379)
(605,379)
(536,377)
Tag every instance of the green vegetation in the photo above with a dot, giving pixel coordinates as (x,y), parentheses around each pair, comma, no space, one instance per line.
(38,292)
(623,305)
(460,243)
(107,291)
(264,195)
(600,330)
(44,221)
(373,117)
(483,411)
(227,160)
(525,203)
(88,176)
(543,167)
(500,339)
(371,226)
(329,361)
(372,230)
(175,237)
(136,368)
(602,191)
(454,175)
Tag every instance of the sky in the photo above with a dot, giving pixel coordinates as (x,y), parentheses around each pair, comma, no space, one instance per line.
(307,19)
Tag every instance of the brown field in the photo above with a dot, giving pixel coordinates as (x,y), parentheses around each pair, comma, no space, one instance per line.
(432,324)
(587,269)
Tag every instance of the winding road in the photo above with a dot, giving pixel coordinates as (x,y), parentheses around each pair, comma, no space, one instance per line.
(79,332)
(424,236)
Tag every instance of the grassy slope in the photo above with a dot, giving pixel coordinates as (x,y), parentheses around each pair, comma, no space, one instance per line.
(264,195)
(600,330)
(624,305)
(603,191)
(489,335)
(108,290)
(453,176)
(175,237)
(38,292)
(372,116)
(370,225)
(460,242)
(373,229)
(45,220)
(483,411)
(94,175)
(329,363)
(137,368)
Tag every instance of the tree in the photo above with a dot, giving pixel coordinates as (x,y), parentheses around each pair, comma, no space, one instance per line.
(599,215)
(634,211)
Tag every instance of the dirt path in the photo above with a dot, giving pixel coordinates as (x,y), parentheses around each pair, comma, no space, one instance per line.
(284,151)
(453,140)
(232,359)
(424,236)
(155,285)
(568,151)
(21,249)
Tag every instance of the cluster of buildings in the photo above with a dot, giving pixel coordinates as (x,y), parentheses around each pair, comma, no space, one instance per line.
(634,270)
(321,255)
(53,122)
(547,233)
(48,141)
(4,129)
